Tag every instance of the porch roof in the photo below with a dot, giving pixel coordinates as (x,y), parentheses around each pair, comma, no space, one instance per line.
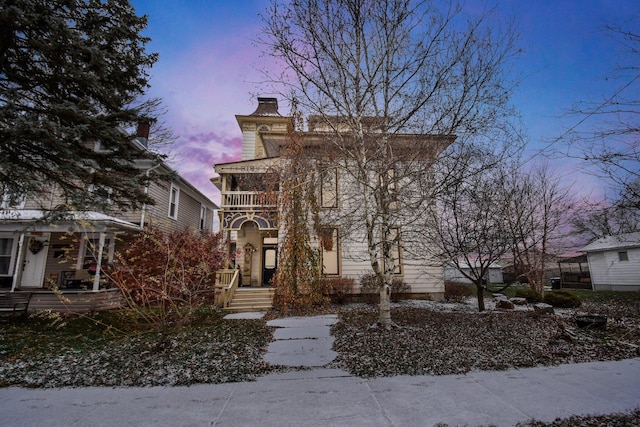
(40,220)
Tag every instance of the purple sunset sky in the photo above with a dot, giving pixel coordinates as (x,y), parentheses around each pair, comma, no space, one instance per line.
(207,72)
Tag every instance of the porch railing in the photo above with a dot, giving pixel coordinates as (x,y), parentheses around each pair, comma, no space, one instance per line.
(227,282)
(249,199)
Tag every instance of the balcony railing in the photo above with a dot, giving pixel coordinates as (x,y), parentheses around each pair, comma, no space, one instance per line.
(249,199)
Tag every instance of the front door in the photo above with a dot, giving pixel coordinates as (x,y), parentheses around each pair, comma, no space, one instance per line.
(35,260)
(269,264)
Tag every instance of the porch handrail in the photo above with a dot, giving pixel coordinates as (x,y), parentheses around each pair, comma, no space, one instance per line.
(230,289)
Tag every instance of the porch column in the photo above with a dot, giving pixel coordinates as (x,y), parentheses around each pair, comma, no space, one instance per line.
(17,269)
(96,278)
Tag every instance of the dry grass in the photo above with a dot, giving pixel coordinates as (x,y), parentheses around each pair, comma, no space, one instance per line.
(431,338)
(452,342)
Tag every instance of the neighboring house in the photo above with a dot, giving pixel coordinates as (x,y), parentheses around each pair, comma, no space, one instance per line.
(453,274)
(66,253)
(614,262)
(249,212)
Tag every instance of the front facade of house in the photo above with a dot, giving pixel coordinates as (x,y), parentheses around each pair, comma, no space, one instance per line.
(249,213)
(614,262)
(66,253)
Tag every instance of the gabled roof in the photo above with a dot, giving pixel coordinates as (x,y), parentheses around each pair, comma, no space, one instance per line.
(164,168)
(621,241)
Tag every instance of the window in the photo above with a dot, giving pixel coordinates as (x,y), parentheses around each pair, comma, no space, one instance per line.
(203,217)
(329,188)
(389,186)
(623,256)
(101,193)
(269,240)
(100,147)
(394,238)
(174,198)
(330,252)
(6,251)
(10,200)
(91,250)
(270,258)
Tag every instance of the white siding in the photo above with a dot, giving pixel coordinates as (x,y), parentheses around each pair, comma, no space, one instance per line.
(188,215)
(422,275)
(609,273)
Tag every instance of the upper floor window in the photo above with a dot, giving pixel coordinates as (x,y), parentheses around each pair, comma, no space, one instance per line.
(10,200)
(174,199)
(329,188)
(203,217)
(101,193)
(388,185)
(623,256)
(100,147)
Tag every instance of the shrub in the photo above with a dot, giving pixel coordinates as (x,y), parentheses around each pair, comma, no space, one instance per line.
(164,276)
(339,289)
(455,291)
(528,293)
(562,299)
(370,288)
(399,286)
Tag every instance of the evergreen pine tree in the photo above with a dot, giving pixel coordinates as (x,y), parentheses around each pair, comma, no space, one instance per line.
(72,74)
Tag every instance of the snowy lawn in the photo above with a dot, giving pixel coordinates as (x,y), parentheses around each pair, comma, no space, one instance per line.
(431,338)
(106,350)
(451,338)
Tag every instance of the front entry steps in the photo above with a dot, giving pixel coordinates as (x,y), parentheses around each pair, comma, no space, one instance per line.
(251,299)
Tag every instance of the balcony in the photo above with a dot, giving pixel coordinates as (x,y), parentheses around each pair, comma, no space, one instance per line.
(249,200)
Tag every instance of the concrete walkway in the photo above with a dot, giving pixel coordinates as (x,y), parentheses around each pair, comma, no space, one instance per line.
(302,341)
(324,397)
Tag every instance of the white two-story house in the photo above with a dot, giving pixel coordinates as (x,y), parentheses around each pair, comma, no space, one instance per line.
(249,210)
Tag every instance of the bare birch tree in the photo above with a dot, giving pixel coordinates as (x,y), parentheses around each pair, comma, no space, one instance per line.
(390,84)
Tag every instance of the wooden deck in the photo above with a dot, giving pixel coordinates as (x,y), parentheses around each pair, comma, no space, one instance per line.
(75,301)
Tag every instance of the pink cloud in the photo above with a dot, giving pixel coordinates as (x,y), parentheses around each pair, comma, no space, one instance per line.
(193,157)
(210,147)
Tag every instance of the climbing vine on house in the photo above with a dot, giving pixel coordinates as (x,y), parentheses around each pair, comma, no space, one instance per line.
(298,278)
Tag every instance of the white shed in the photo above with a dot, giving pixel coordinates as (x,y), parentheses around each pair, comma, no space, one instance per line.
(614,262)
(451,273)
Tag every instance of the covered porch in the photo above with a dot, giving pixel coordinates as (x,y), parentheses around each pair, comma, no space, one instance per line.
(574,272)
(253,246)
(61,260)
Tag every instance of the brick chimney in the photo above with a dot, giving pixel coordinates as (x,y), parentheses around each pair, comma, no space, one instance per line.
(142,132)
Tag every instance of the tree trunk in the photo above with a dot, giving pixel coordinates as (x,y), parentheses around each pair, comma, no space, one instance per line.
(540,289)
(385,306)
(480,288)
